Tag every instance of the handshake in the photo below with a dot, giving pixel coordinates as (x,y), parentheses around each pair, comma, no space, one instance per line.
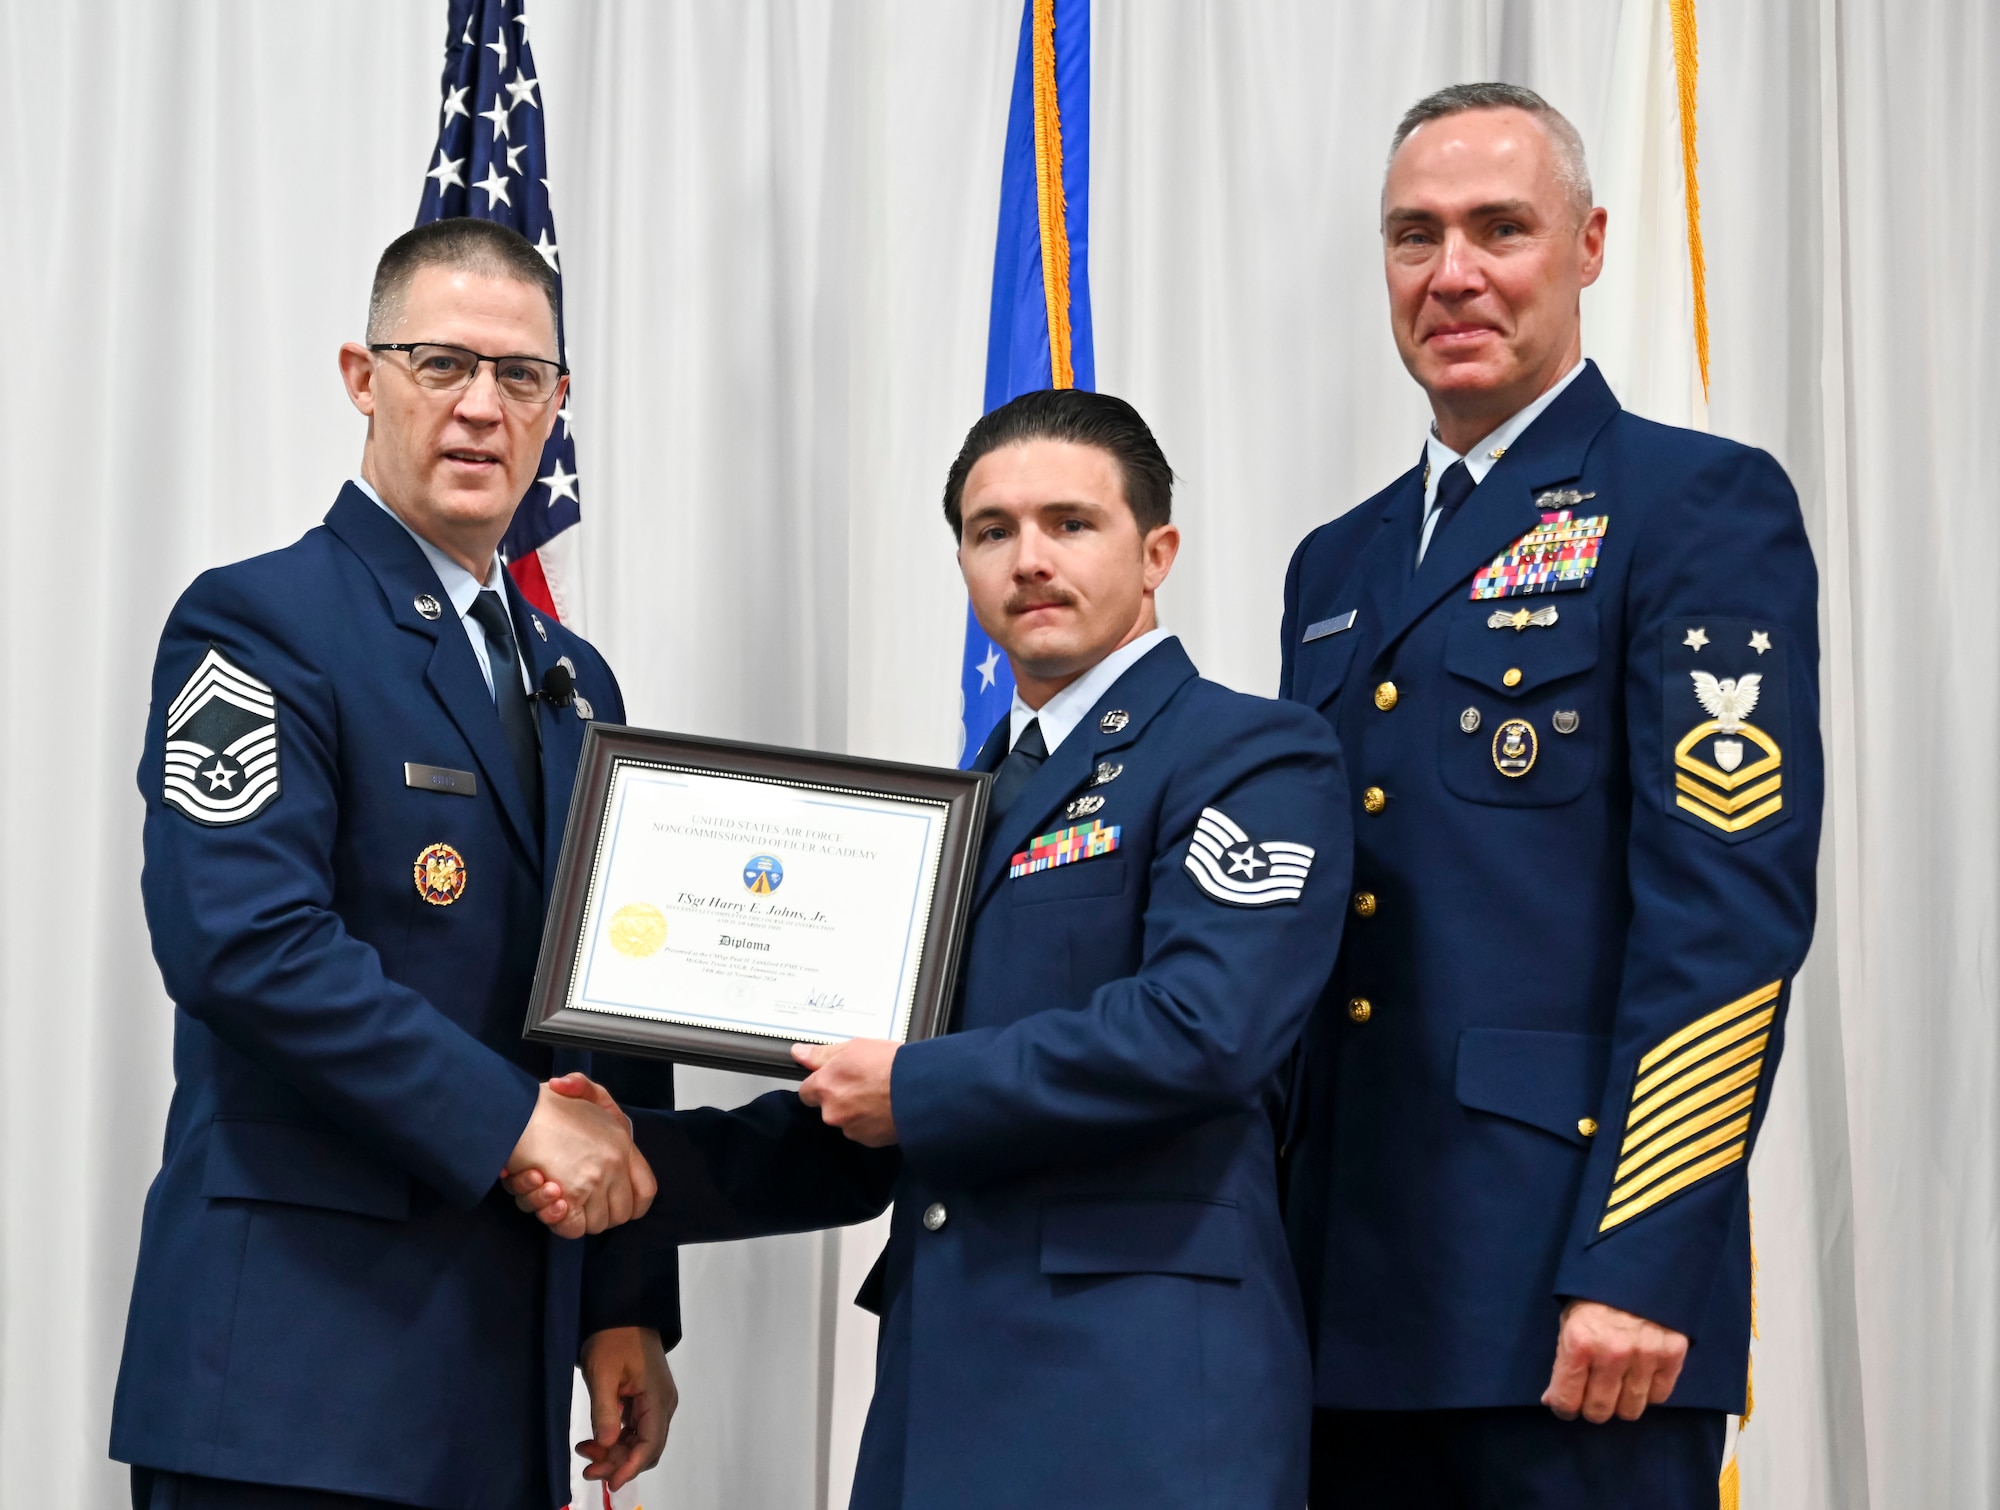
(578,1170)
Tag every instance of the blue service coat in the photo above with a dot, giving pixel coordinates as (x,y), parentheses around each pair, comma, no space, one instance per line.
(1584,899)
(332,1292)
(1086,1296)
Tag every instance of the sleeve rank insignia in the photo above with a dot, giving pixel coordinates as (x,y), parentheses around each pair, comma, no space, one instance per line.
(1557,555)
(1727,772)
(222,744)
(1229,867)
(1692,1103)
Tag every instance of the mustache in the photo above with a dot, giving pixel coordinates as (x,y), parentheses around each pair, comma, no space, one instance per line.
(1042,597)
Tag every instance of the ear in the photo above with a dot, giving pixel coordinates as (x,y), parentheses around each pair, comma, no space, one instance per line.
(1591,237)
(357,371)
(1161,545)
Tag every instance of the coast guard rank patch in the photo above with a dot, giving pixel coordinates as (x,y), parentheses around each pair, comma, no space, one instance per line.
(1227,865)
(222,744)
(1726,773)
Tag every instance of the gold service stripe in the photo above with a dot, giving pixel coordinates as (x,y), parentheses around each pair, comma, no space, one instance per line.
(1686,69)
(1689,1176)
(1714,1019)
(1668,1163)
(1640,1132)
(1675,1089)
(1051,203)
(1742,1028)
(1742,1101)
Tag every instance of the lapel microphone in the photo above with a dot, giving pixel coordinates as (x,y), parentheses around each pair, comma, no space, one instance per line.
(558,687)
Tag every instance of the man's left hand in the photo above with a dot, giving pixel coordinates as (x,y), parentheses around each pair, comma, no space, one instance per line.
(632,1400)
(1610,1362)
(850,1086)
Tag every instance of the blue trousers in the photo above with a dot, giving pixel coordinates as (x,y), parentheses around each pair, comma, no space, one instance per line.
(153,1489)
(1514,1458)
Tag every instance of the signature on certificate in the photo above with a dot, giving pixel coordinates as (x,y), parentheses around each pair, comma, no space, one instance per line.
(829,1001)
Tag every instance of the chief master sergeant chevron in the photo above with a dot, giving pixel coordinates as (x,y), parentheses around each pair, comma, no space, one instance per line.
(353,809)
(1572,659)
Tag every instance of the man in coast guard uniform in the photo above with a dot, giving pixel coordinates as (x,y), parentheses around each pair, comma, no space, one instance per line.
(1572,661)
(353,811)
(1086,1298)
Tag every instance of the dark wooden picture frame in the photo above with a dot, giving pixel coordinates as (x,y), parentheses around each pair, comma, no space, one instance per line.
(605,748)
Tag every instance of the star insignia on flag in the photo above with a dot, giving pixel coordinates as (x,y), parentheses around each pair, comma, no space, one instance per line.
(454,101)
(523,90)
(498,47)
(563,413)
(560,484)
(447,171)
(548,249)
(988,666)
(495,184)
(498,116)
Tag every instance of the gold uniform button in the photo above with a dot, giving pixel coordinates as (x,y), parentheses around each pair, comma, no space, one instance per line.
(1513,676)
(1364,904)
(1361,1009)
(1374,800)
(1587,1126)
(1385,696)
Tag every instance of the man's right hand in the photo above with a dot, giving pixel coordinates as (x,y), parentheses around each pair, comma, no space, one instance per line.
(578,1148)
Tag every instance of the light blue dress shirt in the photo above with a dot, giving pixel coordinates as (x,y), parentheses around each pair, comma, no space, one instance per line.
(1065,710)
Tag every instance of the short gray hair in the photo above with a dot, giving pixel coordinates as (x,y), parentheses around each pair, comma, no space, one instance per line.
(1572,172)
(469,245)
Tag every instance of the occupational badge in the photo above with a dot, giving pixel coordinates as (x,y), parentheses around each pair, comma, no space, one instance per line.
(1557,555)
(1521,618)
(543,632)
(222,744)
(1565,720)
(1230,867)
(1469,720)
(1084,806)
(583,709)
(1727,772)
(1113,721)
(1106,771)
(1561,498)
(1065,846)
(440,875)
(763,874)
(1515,747)
(427,605)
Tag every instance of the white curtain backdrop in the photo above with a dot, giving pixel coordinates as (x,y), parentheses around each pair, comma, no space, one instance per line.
(777,224)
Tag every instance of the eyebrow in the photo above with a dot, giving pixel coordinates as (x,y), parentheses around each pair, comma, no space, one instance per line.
(1408,216)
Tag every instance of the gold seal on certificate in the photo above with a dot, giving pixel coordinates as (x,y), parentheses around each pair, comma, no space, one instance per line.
(718,902)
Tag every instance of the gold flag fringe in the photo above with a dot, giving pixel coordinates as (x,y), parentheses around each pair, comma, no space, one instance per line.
(1686,66)
(1052,205)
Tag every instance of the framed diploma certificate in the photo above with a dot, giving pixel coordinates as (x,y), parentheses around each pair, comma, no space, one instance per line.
(717,902)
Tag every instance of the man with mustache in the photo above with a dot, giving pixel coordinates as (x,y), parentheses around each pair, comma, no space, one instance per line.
(1086,1298)
(1572,658)
(353,811)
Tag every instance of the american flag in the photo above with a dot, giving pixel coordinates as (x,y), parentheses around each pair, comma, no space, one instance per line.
(493,162)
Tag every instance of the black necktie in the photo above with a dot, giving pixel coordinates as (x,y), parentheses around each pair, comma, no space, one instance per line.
(517,719)
(1015,772)
(1453,489)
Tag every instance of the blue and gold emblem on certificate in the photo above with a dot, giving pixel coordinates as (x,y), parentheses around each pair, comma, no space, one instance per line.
(763,875)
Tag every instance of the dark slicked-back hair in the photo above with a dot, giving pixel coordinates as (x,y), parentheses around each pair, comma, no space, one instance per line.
(474,246)
(1081,418)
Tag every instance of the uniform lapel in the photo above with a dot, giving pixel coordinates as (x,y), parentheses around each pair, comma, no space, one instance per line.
(387,550)
(561,730)
(1141,692)
(1502,508)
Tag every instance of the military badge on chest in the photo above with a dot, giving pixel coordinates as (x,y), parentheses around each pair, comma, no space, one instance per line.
(440,875)
(1727,720)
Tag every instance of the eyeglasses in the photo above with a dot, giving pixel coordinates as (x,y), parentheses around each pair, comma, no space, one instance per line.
(446,369)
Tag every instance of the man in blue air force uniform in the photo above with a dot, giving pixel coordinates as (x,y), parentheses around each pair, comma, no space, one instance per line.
(1086,1299)
(353,809)
(1572,661)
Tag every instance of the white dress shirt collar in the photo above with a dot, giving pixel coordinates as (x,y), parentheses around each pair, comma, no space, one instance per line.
(459,585)
(1479,457)
(1065,710)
